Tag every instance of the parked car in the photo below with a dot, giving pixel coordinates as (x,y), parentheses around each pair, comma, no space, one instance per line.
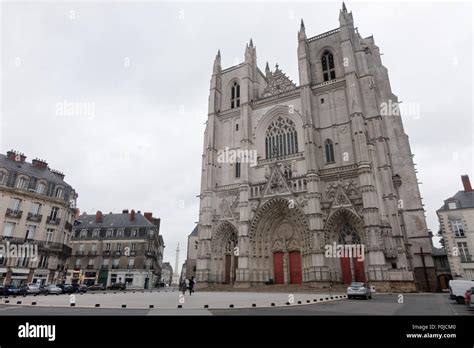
(471,302)
(79,287)
(67,288)
(359,290)
(457,289)
(32,288)
(117,286)
(2,290)
(14,290)
(98,286)
(53,289)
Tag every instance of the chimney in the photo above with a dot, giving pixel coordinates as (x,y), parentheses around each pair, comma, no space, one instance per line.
(98,216)
(40,164)
(58,174)
(149,217)
(132,215)
(16,156)
(466,183)
(125,211)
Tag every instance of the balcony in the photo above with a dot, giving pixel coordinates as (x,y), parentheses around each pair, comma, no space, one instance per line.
(34,217)
(106,252)
(90,266)
(115,266)
(15,214)
(51,221)
(92,253)
(68,226)
(79,252)
(118,253)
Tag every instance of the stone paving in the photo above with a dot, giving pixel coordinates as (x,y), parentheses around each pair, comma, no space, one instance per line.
(172,299)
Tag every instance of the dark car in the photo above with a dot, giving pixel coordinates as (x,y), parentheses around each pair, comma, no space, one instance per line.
(66,288)
(79,287)
(117,286)
(98,286)
(14,290)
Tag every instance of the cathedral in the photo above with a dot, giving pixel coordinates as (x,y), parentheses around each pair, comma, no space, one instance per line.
(289,171)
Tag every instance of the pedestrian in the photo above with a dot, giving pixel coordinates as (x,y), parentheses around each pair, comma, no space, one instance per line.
(183,287)
(191,286)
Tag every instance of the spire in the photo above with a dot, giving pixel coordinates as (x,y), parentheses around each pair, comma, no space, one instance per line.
(251,42)
(302,32)
(344,16)
(267,70)
(217,63)
(344,9)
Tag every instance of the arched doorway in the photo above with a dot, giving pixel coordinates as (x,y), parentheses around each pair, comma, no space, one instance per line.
(279,243)
(344,232)
(225,253)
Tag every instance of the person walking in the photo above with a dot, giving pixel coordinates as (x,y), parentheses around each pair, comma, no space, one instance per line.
(191,286)
(183,287)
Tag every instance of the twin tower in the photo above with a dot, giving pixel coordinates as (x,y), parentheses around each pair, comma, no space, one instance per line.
(312,166)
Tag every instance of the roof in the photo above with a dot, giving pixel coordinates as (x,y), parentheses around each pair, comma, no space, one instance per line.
(113,220)
(464,200)
(28,169)
(194,232)
(438,251)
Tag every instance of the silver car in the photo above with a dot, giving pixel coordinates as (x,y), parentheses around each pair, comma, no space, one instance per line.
(53,289)
(359,290)
(33,288)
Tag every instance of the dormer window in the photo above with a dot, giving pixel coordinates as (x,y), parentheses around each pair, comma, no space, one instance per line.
(40,188)
(58,193)
(235,96)
(3,177)
(452,205)
(109,233)
(22,183)
(327,61)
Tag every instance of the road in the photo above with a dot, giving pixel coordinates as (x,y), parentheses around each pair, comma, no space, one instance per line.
(380,304)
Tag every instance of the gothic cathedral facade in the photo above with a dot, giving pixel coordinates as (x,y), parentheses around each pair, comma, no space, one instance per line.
(290,171)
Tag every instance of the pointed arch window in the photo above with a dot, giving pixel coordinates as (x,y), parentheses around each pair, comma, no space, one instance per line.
(235,96)
(237,169)
(329,148)
(281,138)
(327,61)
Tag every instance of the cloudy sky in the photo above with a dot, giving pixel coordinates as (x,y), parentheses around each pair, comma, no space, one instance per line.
(135,77)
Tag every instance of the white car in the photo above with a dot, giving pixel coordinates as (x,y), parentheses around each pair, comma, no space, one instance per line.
(53,289)
(457,289)
(359,290)
(33,288)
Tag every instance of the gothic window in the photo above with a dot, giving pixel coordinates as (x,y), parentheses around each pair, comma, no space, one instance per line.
(348,235)
(281,138)
(235,96)
(327,61)
(329,147)
(237,169)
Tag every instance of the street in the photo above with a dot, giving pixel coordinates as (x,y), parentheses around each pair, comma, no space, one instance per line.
(380,304)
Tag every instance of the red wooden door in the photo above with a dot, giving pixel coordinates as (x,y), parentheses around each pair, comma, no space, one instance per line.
(295,267)
(346,270)
(227,269)
(278,268)
(359,270)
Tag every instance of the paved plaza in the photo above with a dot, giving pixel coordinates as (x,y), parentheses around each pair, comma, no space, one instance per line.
(172,299)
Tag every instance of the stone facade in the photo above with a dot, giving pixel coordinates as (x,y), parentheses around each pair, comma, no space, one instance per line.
(117,248)
(191,256)
(287,170)
(456,220)
(37,208)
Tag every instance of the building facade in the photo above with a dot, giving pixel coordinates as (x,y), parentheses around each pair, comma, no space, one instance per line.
(191,256)
(456,220)
(167,273)
(288,171)
(117,248)
(37,209)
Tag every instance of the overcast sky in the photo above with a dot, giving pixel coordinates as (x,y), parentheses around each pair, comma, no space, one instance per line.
(141,73)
